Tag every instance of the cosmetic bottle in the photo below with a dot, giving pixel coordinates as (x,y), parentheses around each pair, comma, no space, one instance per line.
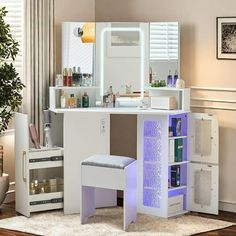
(47,136)
(150,75)
(59,80)
(169,80)
(85,100)
(65,74)
(63,99)
(75,77)
(72,101)
(69,78)
(175,77)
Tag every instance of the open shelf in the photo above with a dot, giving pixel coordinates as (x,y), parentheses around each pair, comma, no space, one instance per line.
(177,188)
(178,137)
(178,163)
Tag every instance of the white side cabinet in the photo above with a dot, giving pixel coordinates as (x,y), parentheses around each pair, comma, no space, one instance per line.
(42,165)
(171,182)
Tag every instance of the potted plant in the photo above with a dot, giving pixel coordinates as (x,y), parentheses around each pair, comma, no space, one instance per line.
(10,85)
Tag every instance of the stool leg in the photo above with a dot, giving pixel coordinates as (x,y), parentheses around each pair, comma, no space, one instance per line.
(130,195)
(87,204)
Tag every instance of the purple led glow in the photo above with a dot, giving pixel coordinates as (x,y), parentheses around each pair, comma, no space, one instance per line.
(184,122)
(152,164)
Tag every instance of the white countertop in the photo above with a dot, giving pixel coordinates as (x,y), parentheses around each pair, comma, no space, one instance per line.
(120,110)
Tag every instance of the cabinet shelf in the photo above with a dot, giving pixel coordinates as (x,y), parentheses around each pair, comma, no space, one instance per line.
(74,87)
(178,163)
(177,188)
(177,137)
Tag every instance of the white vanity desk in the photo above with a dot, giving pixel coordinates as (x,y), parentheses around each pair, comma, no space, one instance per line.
(86,131)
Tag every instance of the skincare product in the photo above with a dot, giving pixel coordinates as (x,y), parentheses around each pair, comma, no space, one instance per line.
(59,80)
(85,100)
(175,77)
(47,136)
(75,77)
(72,101)
(169,80)
(150,75)
(65,74)
(63,99)
(69,78)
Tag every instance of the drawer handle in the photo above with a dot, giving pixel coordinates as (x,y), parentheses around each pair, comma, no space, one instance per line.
(23,166)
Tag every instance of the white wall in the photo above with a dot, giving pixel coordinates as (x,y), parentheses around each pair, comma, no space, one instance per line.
(199,65)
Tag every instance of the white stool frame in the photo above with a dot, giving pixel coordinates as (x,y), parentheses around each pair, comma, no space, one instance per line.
(112,178)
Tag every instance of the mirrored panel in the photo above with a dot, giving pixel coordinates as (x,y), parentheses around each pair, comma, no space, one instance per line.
(125,55)
(78,43)
(164,51)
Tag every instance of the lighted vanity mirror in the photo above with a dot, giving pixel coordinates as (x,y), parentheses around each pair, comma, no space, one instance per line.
(123,55)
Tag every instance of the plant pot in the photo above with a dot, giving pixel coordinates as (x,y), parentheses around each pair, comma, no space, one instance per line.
(4,186)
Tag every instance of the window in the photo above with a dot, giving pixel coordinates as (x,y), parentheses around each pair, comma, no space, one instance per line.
(164,41)
(14,18)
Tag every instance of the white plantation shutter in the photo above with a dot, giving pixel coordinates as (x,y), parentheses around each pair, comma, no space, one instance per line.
(14,18)
(164,41)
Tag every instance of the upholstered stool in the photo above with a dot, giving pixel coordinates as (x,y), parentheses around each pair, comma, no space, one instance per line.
(111,172)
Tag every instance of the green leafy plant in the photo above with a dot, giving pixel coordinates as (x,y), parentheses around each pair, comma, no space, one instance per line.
(10,83)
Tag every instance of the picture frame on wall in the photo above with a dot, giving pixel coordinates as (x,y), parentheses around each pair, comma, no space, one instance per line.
(226,38)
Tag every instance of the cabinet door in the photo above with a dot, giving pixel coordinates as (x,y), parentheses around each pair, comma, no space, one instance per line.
(203,193)
(203,169)
(21,163)
(203,141)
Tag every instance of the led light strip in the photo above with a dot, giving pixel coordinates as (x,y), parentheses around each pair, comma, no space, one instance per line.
(142,48)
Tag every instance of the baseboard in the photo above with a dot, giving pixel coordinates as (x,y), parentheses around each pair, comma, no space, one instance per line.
(227,206)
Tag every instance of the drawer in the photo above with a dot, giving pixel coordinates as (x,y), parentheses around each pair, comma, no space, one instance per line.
(175,204)
(45,158)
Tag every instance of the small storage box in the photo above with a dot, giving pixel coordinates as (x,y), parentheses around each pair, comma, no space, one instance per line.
(165,102)
(175,204)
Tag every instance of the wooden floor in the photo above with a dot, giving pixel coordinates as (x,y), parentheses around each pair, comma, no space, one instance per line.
(8,210)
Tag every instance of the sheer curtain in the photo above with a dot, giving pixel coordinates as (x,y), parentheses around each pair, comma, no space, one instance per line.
(39,58)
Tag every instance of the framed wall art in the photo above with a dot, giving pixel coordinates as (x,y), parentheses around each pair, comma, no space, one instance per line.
(226,37)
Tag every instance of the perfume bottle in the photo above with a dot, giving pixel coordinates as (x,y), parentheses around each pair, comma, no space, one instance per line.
(169,80)
(175,78)
(69,78)
(85,100)
(59,80)
(72,101)
(63,99)
(76,76)
(65,74)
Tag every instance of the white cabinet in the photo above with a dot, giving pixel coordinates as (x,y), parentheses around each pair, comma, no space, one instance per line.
(45,166)
(188,181)
(182,96)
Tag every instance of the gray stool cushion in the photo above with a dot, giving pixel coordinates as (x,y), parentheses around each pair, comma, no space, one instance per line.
(119,162)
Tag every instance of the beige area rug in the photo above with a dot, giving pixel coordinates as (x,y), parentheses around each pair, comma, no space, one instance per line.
(108,221)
